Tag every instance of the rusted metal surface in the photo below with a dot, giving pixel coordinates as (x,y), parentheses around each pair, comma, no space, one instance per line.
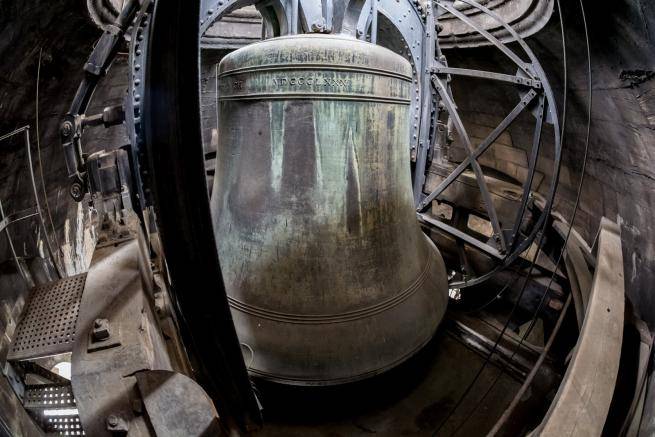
(48,325)
(582,402)
(176,405)
(328,275)
(53,407)
(118,289)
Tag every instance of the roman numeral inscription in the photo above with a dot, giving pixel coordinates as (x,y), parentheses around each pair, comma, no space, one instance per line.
(285,81)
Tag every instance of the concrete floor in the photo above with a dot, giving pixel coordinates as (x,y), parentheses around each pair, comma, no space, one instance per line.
(414,399)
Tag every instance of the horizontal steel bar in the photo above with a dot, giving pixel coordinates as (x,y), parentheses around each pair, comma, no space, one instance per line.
(14,132)
(491,75)
(456,233)
(8,220)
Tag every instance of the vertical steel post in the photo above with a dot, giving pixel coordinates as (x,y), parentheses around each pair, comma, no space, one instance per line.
(374,21)
(426,90)
(294,17)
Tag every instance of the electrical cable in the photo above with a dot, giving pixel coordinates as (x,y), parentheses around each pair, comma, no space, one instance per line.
(499,338)
(510,282)
(528,380)
(530,377)
(537,251)
(573,215)
(38,148)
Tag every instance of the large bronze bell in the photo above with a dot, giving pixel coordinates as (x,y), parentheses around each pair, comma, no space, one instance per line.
(328,274)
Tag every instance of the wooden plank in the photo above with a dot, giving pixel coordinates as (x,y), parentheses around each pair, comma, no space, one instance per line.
(582,402)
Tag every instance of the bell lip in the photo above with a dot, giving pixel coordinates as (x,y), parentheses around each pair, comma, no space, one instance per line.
(309,382)
(265,376)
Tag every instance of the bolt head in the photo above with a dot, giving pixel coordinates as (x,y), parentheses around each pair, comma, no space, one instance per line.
(97,323)
(101,330)
(66,128)
(117,425)
(76,191)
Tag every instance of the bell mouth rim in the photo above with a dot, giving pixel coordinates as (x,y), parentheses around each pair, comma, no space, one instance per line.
(313,382)
(291,378)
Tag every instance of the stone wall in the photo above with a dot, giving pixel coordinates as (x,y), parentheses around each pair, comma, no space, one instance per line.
(63,35)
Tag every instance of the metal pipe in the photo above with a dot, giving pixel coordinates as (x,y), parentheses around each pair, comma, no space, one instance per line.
(374,21)
(4,223)
(528,380)
(14,132)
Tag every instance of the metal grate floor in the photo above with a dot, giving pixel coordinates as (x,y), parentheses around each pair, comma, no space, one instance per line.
(48,326)
(53,407)
(63,425)
(49,396)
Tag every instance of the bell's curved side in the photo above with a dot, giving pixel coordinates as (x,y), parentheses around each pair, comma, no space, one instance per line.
(329,277)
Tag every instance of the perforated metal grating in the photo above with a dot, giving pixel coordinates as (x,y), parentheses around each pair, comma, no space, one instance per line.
(48,327)
(53,406)
(67,425)
(49,396)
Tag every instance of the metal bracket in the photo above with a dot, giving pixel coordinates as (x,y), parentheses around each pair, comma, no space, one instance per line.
(103,336)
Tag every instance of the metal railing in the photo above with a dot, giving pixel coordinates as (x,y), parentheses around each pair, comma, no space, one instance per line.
(35,211)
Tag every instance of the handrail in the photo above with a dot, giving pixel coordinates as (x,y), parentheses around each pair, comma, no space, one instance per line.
(26,130)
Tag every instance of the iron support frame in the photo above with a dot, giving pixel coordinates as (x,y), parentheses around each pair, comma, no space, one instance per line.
(173,148)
